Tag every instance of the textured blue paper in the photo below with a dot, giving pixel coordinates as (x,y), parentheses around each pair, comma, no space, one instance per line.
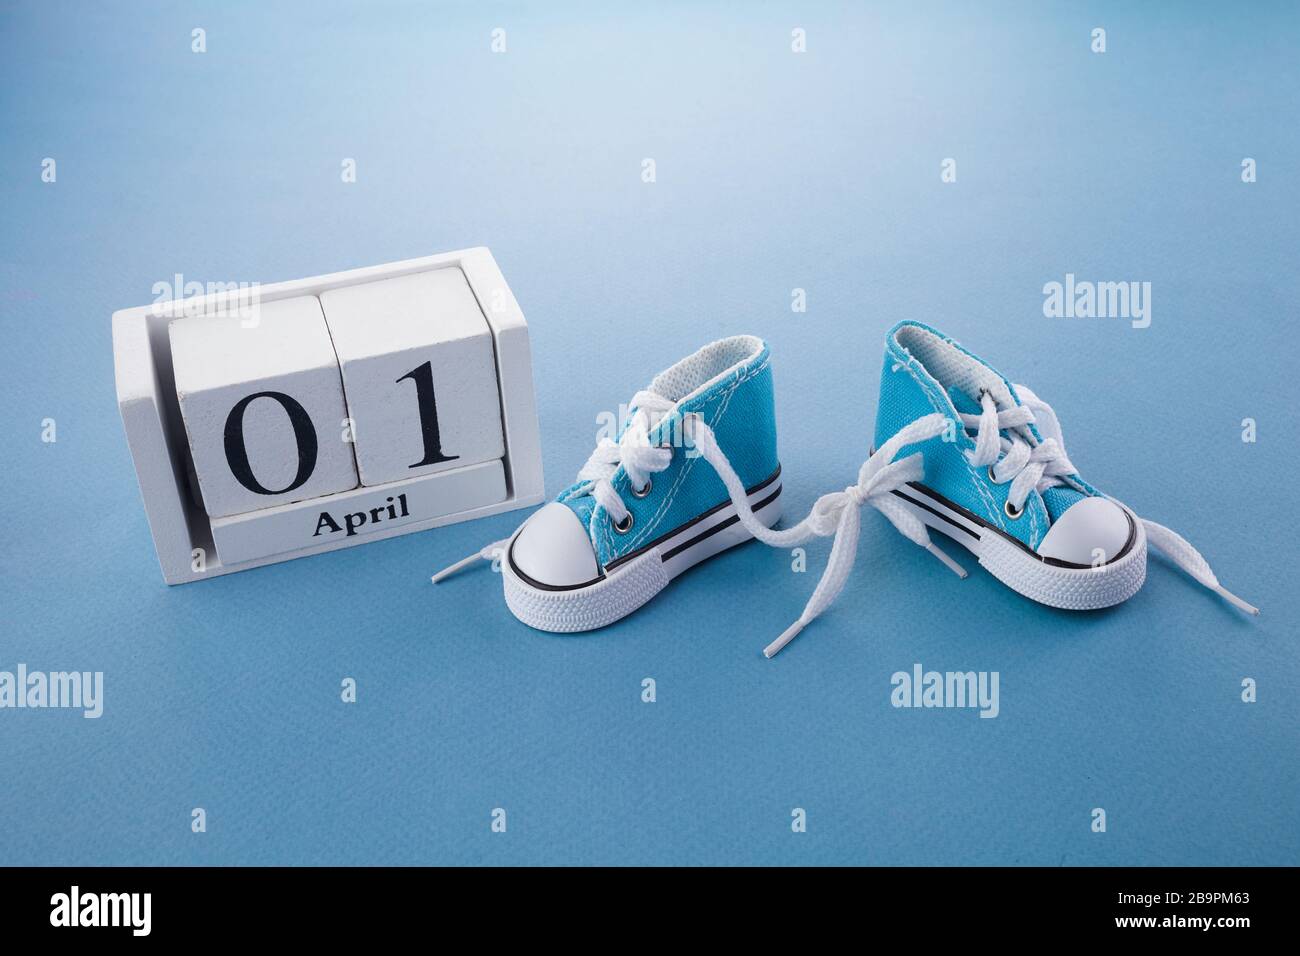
(775,171)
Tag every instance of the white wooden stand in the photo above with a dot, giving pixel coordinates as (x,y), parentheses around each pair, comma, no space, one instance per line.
(192,546)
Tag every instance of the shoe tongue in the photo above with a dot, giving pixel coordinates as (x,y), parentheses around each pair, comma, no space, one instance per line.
(963,402)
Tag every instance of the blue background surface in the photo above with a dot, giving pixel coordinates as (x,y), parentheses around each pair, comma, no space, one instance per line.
(775,171)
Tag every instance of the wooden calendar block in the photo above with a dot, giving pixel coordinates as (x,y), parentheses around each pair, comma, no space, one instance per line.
(180,379)
(419,374)
(262,404)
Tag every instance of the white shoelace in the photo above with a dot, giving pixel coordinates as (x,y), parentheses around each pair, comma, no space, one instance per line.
(1027,463)
(838,513)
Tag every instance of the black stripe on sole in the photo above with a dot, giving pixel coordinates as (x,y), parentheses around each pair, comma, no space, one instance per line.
(531,582)
(937,514)
(977,520)
(734,519)
(703,516)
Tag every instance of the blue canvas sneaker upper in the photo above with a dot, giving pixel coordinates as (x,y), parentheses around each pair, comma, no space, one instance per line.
(927,372)
(727,385)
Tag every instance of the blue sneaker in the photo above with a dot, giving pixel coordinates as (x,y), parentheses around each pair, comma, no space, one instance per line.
(645,508)
(999,482)
(964,452)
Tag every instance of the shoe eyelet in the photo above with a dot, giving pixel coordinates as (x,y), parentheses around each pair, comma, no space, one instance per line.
(991,478)
(649,483)
(1010,512)
(625,526)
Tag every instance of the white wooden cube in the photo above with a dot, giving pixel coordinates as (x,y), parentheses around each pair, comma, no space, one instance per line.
(263,408)
(419,375)
(153,379)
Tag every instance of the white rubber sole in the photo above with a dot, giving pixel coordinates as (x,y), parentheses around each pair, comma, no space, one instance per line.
(632,581)
(1047,581)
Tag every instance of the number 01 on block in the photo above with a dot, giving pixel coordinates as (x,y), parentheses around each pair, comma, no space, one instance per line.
(304,416)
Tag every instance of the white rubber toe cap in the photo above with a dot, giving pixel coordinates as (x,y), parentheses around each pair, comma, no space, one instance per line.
(1087,525)
(553,548)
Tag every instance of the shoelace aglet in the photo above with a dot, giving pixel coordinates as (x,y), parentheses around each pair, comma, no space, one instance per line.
(786,637)
(453,568)
(1235,601)
(486,553)
(952,565)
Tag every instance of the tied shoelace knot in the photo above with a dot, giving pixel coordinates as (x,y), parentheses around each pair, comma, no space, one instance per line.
(838,514)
